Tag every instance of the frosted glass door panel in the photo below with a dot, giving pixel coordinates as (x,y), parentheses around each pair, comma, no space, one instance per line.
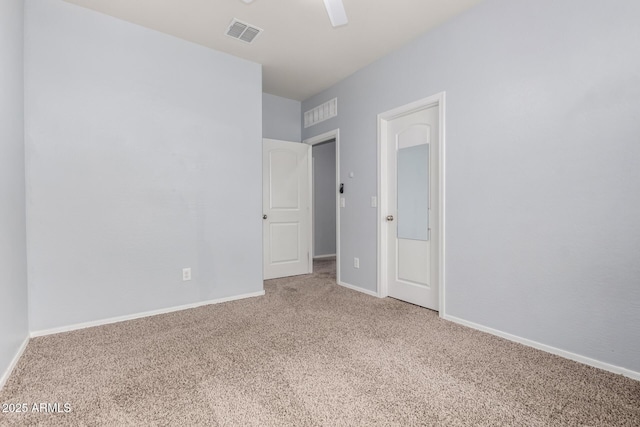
(413,192)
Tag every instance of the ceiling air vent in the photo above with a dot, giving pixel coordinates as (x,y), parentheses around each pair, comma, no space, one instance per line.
(242,31)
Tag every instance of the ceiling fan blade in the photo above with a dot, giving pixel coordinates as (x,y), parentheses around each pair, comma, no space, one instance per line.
(336,12)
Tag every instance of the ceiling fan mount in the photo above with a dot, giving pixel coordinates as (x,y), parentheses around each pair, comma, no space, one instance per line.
(336,12)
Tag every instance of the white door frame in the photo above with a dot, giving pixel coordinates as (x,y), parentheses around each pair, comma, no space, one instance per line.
(328,136)
(383,238)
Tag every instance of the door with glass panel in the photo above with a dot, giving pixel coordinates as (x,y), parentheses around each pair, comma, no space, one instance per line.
(412,161)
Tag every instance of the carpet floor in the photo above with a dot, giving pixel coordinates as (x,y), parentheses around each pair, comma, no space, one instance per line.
(308,353)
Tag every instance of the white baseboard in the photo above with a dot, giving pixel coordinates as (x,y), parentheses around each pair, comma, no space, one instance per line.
(558,352)
(324,256)
(140,315)
(359,289)
(14,362)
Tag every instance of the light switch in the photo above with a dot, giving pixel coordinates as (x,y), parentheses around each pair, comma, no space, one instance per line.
(374,202)
(342,202)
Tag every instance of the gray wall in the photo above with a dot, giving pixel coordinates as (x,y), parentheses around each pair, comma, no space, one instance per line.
(14,327)
(543,183)
(280,118)
(324,198)
(143,157)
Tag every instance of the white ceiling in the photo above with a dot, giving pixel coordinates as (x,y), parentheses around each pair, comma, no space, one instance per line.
(301,53)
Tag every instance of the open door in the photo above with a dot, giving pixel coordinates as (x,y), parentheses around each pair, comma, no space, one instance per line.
(286,202)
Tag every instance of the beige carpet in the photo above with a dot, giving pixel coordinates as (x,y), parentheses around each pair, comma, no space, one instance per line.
(309,353)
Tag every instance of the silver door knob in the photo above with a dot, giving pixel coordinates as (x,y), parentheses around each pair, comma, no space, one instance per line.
(389,217)
(264,216)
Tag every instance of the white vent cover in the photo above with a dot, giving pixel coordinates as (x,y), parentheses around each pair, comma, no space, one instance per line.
(242,31)
(321,113)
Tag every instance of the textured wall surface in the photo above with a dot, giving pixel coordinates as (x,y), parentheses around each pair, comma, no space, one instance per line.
(542,175)
(324,199)
(14,327)
(280,118)
(143,157)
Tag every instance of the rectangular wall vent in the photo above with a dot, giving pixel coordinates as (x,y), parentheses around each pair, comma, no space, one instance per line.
(242,31)
(321,113)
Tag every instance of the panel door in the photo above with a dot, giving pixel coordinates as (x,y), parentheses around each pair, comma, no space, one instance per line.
(412,211)
(286,204)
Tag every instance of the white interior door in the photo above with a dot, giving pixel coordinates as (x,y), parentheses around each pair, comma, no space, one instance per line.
(412,212)
(286,201)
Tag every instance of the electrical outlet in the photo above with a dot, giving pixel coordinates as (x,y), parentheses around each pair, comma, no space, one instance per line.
(186,274)
(356,263)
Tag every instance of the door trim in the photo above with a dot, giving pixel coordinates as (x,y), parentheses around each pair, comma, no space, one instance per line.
(327,136)
(383,239)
